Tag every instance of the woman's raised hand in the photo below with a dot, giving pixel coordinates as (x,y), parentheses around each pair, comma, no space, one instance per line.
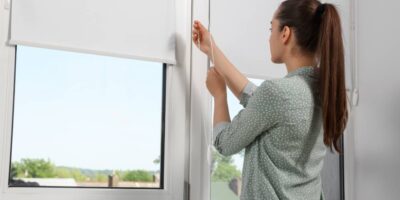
(201,35)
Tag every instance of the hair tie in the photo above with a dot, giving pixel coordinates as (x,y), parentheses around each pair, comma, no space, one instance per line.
(320,9)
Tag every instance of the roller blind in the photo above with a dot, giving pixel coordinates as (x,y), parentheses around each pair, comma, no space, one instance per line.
(241,29)
(242,33)
(140,29)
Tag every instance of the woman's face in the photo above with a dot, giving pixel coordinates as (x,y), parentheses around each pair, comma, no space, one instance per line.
(275,41)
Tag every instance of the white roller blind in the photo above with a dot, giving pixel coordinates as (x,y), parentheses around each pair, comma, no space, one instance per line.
(242,33)
(241,29)
(140,29)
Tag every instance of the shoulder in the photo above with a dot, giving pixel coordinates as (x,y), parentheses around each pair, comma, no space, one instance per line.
(269,92)
(287,87)
(273,87)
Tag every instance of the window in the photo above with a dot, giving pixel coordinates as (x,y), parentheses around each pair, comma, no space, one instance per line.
(85,120)
(165,151)
(227,170)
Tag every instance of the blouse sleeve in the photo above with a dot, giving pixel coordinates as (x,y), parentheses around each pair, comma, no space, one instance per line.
(247,93)
(262,112)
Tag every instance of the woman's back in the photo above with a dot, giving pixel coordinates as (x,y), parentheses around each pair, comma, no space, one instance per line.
(284,161)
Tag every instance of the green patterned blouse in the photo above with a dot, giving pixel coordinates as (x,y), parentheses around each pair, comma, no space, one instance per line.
(280,128)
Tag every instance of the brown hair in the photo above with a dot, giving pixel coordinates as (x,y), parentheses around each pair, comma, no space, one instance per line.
(317,29)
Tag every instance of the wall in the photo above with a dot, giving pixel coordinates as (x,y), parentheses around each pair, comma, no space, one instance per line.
(377,118)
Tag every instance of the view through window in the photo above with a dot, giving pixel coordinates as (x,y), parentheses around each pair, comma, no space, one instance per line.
(83,120)
(226,173)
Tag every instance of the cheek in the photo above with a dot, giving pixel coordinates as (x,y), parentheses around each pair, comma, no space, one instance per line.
(272,44)
(274,48)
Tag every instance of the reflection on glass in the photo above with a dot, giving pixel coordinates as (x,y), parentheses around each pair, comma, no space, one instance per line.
(86,121)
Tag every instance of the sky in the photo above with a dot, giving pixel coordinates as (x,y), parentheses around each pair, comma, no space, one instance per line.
(90,111)
(87,111)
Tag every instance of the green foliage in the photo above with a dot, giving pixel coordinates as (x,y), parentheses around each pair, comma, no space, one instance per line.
(218,158)
(138,175)
(100,177)
(62,172)
(157,160)
(225,170)
(13,173)
(40,168)
(33,168)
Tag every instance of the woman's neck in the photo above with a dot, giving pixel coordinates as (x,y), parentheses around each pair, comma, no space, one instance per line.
(296,62)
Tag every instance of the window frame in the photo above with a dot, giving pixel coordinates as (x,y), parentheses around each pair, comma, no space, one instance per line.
(176,138)
(162,136)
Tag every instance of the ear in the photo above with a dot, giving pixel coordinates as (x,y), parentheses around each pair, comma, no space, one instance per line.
(286,34)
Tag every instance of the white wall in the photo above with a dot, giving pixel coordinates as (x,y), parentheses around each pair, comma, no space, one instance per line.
(377,118)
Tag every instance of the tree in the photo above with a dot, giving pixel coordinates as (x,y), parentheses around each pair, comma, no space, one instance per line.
(100,177)
(34,168)
(138,175)
(225,169)
(225,172)
(62,172)
(157,160)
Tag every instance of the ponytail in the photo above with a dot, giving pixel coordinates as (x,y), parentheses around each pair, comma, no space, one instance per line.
(318,31)
(332,76)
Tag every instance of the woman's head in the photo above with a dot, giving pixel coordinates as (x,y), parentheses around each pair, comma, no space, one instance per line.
(295,29)
(309,28)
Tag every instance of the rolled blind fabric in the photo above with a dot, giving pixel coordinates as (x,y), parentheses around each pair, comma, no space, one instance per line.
(140,29)
(242,33)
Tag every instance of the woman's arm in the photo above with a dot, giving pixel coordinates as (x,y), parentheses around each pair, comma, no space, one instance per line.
(234,79)
(221,111)
(217,87)
(262,113)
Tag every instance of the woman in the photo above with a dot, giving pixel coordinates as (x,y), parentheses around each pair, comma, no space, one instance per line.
(286,123)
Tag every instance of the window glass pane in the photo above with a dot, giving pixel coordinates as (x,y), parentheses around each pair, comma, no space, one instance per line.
(227,170)
(84,120)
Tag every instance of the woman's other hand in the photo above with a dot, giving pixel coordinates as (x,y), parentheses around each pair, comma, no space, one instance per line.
(215,83)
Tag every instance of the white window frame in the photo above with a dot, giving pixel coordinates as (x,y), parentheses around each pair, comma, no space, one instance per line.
(177,115)
(201,114)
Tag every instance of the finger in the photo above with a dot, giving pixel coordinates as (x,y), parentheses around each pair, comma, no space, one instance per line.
(195,39)
(195,35)
(197,25)
(195,30)
(201,27)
